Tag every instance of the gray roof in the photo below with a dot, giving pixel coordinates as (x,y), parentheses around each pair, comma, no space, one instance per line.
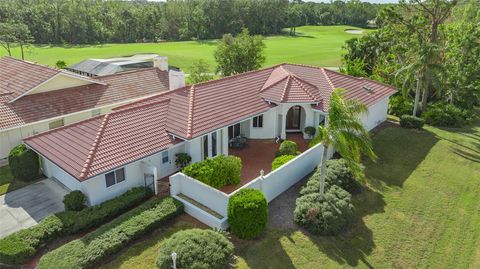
(101,67)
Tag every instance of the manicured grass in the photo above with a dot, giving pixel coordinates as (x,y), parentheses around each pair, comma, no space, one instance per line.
(314,45)
(7,183)
(421,210)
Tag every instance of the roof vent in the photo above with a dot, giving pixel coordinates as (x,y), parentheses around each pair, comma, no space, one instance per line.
(368,89)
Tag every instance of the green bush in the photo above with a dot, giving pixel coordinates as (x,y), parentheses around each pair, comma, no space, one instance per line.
(281,160)
(22,246)
(447,115)
(196,248)
(24,163)
(288,148)
(74,201)
(247,213)
(412,122)
(182,160)
(310,131)
(327,215)
(216,172)
(399,106)
(110,238)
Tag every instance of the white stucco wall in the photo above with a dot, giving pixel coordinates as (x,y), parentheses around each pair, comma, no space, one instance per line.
(377,113)
(269,126)
(176,79)
(52,170)
(60,81)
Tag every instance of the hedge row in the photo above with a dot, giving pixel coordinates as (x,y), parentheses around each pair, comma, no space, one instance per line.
(22,246)
(281,160)
(216,172)
(89,250)
(412,122)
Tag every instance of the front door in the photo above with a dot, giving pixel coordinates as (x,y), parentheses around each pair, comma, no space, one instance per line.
(293,118)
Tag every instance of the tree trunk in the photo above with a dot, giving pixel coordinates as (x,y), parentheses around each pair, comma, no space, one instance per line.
(323,170)
(8,50)
(425,96)
(21,49)
(417,98)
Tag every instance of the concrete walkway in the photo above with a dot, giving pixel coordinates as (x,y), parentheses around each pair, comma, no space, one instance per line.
(25,207)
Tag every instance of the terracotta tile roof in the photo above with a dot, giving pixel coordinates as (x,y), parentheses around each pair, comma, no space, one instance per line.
(119,88)
(97,145)
(17,77)
(138,129)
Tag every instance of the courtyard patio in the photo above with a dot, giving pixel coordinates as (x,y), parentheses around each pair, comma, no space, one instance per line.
(257,155)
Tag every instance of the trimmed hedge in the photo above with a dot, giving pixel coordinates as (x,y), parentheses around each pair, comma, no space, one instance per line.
(338,173)
(327,215)
(110,238)
(281,160)
(288,148)
(74,201)
(411,122)
(216,172)
(24,163)
(247,213)
(22,246)
(196,248)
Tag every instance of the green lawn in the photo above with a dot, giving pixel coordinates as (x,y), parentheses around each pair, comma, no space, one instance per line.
(422,210)
(7,183)
(315,45)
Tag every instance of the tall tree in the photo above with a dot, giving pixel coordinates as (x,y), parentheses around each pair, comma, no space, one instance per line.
(7,37)
(344,131)
(22,36)
(199,71)
(239,54)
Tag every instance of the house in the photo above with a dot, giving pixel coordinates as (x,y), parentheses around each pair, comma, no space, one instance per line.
(36,98)
(103,67)
(136,144)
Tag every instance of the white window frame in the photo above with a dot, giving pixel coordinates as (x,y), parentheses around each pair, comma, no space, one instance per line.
(115,177)
(258,119)
(163,157)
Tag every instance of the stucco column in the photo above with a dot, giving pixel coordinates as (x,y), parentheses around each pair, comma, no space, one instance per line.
(209,143)
(224,138)
(283,132)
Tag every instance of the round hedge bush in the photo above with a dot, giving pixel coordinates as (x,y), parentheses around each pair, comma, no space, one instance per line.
(74,201)
(197,249)
(24,163)
(288,148)
(327,215)
(247,213)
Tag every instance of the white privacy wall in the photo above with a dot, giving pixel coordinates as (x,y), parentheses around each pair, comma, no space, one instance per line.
(272,185)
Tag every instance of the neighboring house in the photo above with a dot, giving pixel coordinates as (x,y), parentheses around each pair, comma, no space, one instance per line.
(36,98)
(103,67)
(107,155)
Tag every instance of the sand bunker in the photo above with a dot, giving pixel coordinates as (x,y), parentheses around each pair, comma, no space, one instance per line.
(354,31)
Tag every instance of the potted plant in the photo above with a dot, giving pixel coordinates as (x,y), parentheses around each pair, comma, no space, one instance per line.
(310,131)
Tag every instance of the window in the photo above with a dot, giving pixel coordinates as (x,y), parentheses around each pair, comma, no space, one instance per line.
(165,157)
(115,177)
(214,144)
(55,124)
(96,112)
(258,121)
(234,131)
(205,146)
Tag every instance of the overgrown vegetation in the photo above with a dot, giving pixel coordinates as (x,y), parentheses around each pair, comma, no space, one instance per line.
(182,160)
(216,172)
(112,237)
(24,163)
(196,248)
(247,213)
(22,246)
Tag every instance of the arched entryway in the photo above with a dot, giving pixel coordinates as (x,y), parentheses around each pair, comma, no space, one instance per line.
(294,119)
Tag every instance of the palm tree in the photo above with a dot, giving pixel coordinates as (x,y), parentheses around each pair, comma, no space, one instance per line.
(344,131)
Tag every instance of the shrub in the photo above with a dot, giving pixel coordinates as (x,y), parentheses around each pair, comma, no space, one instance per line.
(182,160)
(447,115)
(91,249)
(338,173)
(327,215)
(310,131)
(74,201)
(399,106)
(281,160)
(196,248)
(24,163)
(409,121)
(216,172)
(288,148)
(247,213)
(22,246)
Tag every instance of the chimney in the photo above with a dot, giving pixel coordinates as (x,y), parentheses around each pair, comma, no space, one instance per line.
(161,62)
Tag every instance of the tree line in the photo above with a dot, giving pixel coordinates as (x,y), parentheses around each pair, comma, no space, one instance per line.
(118,21)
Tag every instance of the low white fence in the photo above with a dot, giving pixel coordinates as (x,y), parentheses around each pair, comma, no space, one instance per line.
(272,185)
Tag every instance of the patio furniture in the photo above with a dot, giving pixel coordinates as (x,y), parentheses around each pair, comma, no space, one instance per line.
(238,142)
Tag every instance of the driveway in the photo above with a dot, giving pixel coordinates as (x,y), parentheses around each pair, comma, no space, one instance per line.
(25,207)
